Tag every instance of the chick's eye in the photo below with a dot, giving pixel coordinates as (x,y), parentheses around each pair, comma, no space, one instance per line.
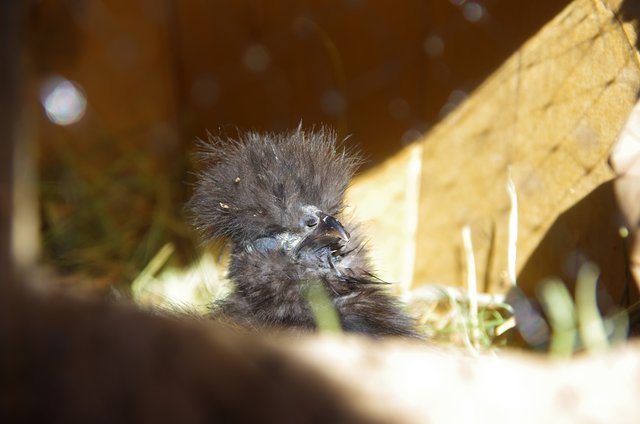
(311,221)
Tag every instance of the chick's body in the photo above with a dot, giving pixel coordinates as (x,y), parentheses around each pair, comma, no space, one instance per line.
(278,198)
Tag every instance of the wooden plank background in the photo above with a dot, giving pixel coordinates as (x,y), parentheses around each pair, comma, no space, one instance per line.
(548,116)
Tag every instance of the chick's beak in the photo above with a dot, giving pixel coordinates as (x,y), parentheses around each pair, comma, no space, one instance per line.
(327,232)
(331,227)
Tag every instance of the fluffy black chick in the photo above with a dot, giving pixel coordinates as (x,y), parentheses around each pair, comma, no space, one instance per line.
(278,198)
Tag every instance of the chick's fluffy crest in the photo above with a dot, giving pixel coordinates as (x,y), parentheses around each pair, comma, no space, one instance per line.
(258,185)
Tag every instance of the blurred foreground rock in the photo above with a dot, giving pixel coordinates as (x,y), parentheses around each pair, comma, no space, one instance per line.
(415,383)
(71,360)
(77,360)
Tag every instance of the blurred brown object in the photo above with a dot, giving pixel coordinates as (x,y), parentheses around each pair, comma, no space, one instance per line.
(79,360)
(547,118)
(10,114)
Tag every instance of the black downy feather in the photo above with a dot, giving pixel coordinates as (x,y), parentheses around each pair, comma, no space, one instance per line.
(278,198)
